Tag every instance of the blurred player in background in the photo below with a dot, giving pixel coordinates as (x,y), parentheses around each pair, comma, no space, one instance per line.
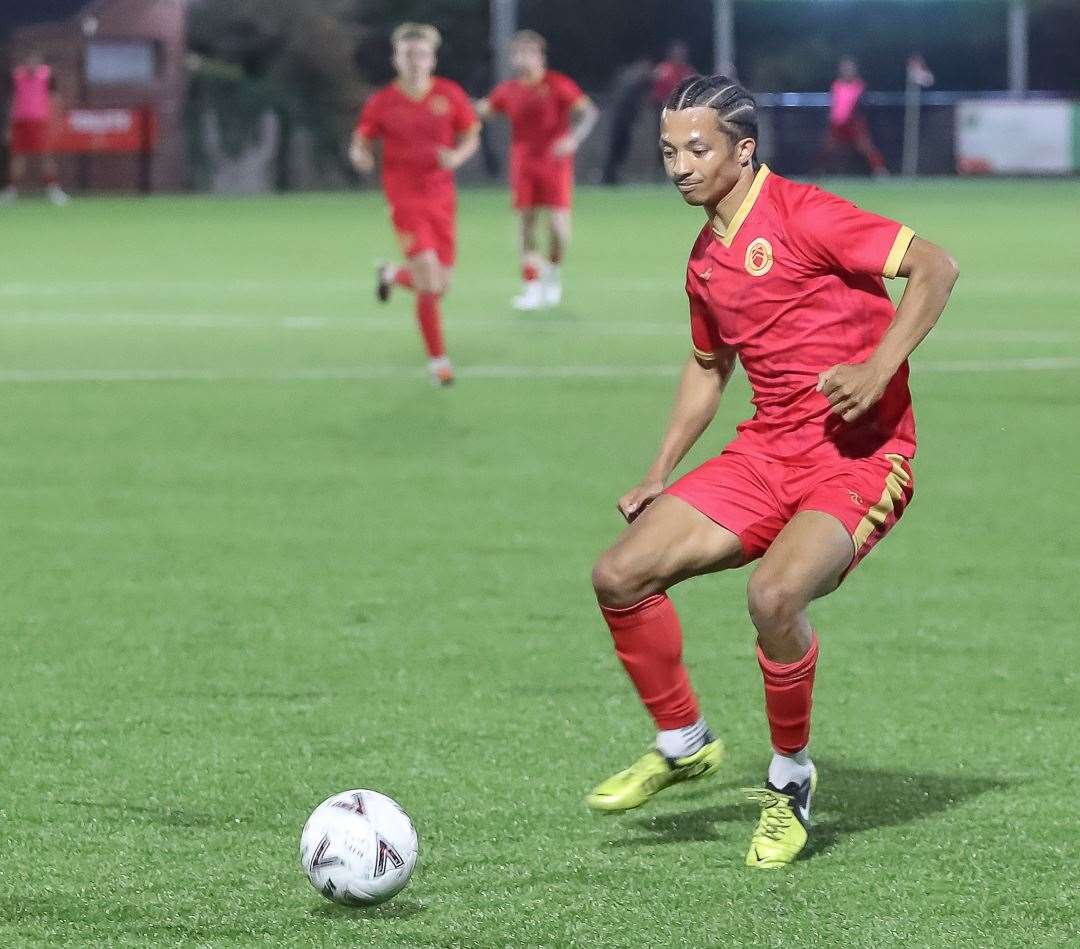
(788,279)
(428,129)
(30,127)
(549,119)
(847,121)
(669,72)
(627,96)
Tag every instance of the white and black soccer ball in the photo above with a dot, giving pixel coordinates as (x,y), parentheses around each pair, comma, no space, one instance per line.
(358,848)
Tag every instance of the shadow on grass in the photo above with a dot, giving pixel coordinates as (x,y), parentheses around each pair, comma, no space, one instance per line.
(851,800)
(164,814)
(394,909)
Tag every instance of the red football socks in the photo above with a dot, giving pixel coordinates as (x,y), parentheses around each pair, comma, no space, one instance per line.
(789,691)
(648,642)
(427,316)
(403,278)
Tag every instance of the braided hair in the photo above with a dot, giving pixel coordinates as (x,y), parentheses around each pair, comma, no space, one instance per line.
(736,111)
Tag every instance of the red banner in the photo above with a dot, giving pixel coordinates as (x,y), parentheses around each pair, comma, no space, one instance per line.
(85,131)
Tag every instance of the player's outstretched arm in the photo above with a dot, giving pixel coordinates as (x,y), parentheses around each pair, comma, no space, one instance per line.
(931,275)
(696,401)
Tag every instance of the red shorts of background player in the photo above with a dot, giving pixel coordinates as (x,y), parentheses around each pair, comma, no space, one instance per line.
(851,132)
(541,183)
(30,137)
(754,498)
(425,224)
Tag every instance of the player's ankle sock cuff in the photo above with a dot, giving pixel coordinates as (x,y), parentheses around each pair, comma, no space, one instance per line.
(681,742)
(789,769)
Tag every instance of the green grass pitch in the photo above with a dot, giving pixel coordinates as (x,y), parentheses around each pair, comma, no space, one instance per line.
(251,558)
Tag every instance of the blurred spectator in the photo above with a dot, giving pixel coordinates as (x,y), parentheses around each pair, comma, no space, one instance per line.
(30,126)
(627,95)
(847,122)
(670,72)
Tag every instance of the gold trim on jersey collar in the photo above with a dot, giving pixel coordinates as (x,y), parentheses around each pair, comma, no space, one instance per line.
(727,235)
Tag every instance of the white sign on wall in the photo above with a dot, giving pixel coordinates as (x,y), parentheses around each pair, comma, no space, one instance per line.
(1007,137)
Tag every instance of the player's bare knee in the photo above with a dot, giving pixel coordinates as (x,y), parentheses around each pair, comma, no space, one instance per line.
(424,279)
(774,603)
(617,580)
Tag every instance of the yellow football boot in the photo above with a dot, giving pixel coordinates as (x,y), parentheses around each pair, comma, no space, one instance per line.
(652,772)
(784,825)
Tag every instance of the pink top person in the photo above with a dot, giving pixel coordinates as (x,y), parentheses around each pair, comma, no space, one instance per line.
(845,97)
(31,101)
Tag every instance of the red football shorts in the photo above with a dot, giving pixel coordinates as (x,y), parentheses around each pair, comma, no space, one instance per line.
(851,132)
(425,223)
(754,498)
(541,183)
(30,136)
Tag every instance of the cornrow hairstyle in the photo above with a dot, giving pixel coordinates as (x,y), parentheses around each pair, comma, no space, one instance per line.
(416,31)
(736,111)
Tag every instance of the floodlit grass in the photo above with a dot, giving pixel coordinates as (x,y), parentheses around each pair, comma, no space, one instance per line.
(252,558)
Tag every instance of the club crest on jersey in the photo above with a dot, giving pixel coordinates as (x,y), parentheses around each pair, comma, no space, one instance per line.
(759,257)
(439,105)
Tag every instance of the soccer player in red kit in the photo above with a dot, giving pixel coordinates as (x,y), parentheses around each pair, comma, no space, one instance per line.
(428,128)
(788,279)
(549,119)
(847,121)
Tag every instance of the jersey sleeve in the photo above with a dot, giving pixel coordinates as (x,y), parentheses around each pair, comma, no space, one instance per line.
(461,110)
(703,338)
(567,90)
(833,234)
(369,125)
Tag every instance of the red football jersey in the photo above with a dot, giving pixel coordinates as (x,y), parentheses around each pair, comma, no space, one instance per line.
(666,77)
(794,285)
(539,112)
(413,130)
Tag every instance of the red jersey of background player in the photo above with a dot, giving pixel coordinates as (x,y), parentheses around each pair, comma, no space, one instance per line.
(794,286)
(412,131)
(539,114)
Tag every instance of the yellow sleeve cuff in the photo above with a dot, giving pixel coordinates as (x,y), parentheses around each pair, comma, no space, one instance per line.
(904,237)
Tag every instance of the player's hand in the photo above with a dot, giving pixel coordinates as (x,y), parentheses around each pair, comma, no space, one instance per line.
(448,159)
(362,160)
(852,388)
(564,146)
(640,497)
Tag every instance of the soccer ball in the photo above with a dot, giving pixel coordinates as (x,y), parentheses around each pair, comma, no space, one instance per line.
(358,848)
